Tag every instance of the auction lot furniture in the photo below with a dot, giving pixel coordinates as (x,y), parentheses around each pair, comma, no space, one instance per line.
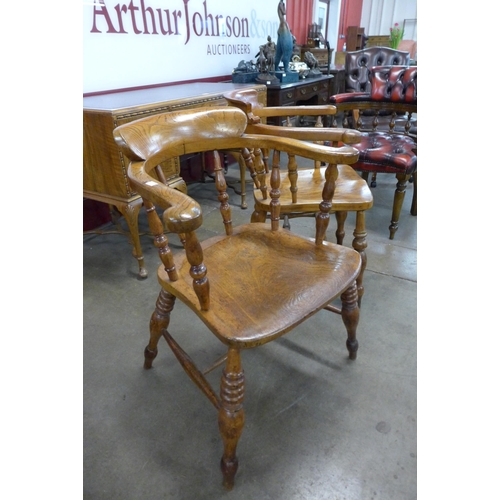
(357,67)
(393,91)
(255,282)
(104,166)
(301,188)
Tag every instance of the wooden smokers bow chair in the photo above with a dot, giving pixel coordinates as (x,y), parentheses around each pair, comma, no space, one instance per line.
(244,283)
(248,101)
(393,91)
(301,188)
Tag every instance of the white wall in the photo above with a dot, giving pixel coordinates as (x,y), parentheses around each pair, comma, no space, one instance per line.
(134,56)
(379,16)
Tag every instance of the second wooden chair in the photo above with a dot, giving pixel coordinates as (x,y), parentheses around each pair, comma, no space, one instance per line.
(301,188)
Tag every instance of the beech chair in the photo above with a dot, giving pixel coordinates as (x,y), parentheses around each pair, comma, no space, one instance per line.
(242,284)
(301,188)
(393,91)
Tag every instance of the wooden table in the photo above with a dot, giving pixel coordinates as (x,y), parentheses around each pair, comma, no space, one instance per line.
(104,165)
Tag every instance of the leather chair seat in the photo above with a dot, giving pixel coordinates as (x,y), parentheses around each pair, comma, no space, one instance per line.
(386,153)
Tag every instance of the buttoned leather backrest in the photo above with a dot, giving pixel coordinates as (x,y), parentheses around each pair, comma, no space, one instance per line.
(394,83)
(358,63)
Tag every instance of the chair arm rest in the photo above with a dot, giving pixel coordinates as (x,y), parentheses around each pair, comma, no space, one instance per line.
(182,213)
(336,155)
(349,97)
(347,136)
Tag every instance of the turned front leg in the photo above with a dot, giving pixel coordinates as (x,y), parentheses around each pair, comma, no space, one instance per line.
(399,196)
(359,244)
(231,414)
(350,317)
(160,320)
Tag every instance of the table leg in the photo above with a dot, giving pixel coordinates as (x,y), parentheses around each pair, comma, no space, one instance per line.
(131,213)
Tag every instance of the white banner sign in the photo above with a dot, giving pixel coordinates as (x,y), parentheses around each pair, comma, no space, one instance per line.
(133,43)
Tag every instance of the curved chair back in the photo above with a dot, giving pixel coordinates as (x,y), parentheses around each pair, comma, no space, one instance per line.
(394,83)
(359,62)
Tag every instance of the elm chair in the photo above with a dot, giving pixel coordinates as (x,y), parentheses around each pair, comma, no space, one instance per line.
(243,284)
(393,91)
(285,115)
(301,188)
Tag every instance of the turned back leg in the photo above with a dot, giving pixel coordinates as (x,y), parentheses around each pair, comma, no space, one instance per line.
(340,233)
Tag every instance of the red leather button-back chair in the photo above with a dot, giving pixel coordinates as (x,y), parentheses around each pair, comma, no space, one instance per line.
(393,91)
(359,62)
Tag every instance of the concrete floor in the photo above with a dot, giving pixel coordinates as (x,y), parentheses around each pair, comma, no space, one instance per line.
(318,426)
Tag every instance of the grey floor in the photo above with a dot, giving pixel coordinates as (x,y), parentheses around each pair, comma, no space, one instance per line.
(318,426)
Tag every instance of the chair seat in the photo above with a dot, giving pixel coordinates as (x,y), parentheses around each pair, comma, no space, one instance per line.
(386,153)
(236,266)
(351,191)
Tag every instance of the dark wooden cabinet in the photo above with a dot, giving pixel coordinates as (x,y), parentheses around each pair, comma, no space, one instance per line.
(355,36)
(309,91)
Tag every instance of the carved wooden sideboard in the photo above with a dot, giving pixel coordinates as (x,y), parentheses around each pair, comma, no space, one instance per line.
(104,165)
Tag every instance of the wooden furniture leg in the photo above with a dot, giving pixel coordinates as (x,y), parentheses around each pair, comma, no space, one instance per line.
(243,170)
(340,232)
(231,414)
(243,175)
(413,209)
(359,244)
(355,117)
(159,322)
(350,317)
(399,197)
(130,212)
